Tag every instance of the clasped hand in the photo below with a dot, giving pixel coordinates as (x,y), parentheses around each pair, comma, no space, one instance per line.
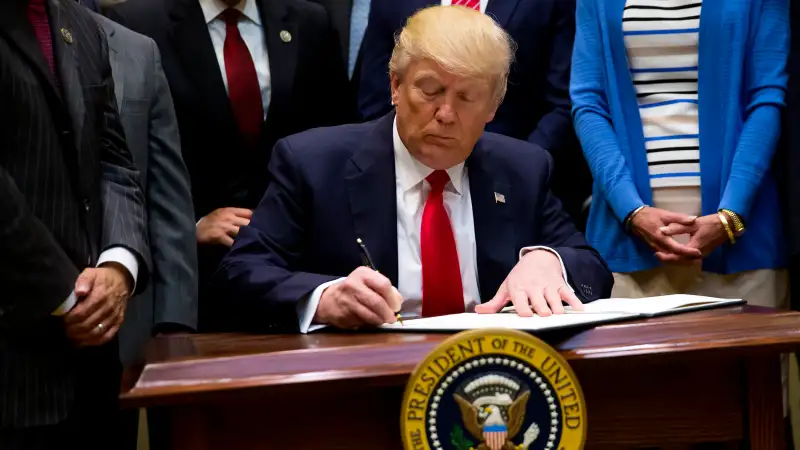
(103,293)
(657,227)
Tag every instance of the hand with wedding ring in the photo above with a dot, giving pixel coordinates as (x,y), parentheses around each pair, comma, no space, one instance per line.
(535,284)
(103,296)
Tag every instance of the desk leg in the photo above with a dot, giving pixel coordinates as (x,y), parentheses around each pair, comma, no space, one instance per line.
(765,403)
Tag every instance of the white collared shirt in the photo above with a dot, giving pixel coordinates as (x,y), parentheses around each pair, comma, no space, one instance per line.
(411,191)
(253,34)
(483,4)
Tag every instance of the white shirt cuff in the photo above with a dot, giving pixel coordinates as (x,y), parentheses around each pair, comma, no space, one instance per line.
(119,255)
(527,250)
(67,306)
(124,257)
(198,222)
(307,308)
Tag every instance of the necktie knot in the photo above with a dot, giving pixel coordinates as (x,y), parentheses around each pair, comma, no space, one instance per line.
(231,16)
(438,180)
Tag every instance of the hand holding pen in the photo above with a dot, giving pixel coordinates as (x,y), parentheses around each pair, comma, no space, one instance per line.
(364,298)
(367,260)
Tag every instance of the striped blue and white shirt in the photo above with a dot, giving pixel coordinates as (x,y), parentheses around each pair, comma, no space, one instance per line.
(661,39)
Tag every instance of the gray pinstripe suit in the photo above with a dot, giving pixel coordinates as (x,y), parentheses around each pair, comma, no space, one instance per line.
(68,191)
(151,128)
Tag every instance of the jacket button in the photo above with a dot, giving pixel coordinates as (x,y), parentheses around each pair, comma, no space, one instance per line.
(86,204)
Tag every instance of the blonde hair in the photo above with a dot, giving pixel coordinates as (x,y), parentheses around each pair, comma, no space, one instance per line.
(461,40)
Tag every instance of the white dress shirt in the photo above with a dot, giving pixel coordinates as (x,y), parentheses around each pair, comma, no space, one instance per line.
(253,35)
(483,4)
(411,191)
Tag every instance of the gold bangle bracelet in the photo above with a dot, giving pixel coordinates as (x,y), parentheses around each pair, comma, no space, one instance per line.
(725,224)
(738,224)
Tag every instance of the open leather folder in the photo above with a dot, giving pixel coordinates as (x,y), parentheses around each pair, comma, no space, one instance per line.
(597,312)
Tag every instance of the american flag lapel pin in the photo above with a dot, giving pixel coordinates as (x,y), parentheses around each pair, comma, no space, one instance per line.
(499,198)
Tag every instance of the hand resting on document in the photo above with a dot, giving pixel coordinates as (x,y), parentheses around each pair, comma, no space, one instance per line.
(364,298)
(535,284)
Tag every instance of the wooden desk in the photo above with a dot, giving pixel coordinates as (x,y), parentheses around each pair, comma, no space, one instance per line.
(711,376)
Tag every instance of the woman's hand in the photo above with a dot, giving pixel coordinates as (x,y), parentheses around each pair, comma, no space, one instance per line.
(650,224)
(706,234)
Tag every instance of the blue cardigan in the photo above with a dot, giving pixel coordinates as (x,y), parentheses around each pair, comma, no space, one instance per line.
(742,82)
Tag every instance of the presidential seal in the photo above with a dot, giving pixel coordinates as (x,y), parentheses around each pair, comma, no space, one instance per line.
(493,390)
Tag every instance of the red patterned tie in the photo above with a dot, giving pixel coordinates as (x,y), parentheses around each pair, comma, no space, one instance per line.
(474,4)
(244,91)
(37,16)
(442,292)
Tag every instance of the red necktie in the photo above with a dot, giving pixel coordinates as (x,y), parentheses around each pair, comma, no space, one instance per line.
(244,91)
(37,16)
(474,4)
(442,292)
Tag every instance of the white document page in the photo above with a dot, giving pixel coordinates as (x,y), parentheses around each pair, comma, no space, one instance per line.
(594,313)
(656,305)
(471,321)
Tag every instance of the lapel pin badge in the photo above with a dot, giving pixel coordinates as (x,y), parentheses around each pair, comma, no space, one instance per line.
(286,36)
(67,35)
(499,198)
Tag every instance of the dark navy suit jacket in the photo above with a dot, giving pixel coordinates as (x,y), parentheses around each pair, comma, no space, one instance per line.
(332,185)
(536,107)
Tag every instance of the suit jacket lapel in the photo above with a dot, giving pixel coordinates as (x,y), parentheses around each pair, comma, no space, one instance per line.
(494,230)
(64,44)
(501,10)
(15,26)
(189,33)
(281,38)
(370,179)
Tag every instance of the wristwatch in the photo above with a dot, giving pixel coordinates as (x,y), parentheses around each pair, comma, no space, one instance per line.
(738,223)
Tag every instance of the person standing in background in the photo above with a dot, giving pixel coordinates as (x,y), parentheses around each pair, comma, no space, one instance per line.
(73,236)
(169,304)
(145,104)
(679,118)
(349,18)
(243,73)
(537,107)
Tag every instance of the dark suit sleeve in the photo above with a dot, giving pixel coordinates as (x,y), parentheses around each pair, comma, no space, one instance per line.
(124,218)
(36,275)
(554,129)
(258,277)
(374,95)
(587,272)
(170,213)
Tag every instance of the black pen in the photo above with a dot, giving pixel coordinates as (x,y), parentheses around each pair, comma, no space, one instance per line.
(367,261)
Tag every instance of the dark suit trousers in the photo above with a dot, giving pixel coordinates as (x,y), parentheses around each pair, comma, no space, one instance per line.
(91,423)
